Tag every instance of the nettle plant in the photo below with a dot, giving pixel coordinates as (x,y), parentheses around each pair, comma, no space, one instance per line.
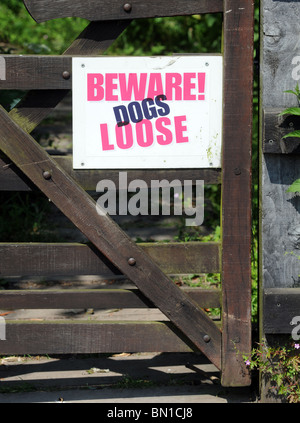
(294,111)
(280,365)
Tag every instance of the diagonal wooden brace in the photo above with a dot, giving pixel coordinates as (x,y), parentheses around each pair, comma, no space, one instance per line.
(108,238)
(93,40)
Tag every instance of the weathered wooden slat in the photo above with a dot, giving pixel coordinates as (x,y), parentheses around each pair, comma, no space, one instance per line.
(275,127)
(94,298)
(108,238)
(35,259)
(279,209)
(38,72)
(11,179)
(236,190)
(89,178)
(38,104)
(67,337)
(281,311)
(97,10)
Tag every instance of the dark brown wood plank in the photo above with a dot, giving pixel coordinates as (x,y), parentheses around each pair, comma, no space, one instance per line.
(89,178)
(95,10)
(35,259)
(236,190)
(11,179)
(67,337)
(275,127)
(281,312)
(38,104)
(187,257)
(38,72)
(108,238)
(94,298)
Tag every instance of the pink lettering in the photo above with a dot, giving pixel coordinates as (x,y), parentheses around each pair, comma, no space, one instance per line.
(147,139)
(128,141)
(95,89)
(155,85)
(166,137)
(179,129)
(104,138)
(173,84)
(110,86)
(133,88)
(189,85)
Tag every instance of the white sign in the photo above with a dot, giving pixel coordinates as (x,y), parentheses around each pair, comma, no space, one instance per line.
(147,112)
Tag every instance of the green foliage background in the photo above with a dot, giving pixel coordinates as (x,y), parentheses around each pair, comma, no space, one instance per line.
(146,36)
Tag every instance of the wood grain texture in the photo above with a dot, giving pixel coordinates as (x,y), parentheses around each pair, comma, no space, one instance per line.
(35,259)
(11,179)
(108,238)
(279,221)
(95,298)
(281,310)
(236,190)
(280,227)
(90,338)
(97,10)
(38,72)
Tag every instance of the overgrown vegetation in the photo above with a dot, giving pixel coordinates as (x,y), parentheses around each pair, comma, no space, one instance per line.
(280,364)
(19,33)
(293,111)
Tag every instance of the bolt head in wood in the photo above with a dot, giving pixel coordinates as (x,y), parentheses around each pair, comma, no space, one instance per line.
(237,171)
(131,261)
(47,175)
(206,338)
(66,75)
(127,7)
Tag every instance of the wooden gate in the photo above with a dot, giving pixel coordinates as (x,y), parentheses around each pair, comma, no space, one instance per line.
(25,165)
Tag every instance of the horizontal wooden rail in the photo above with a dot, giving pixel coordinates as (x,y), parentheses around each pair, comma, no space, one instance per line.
(97,10)
(281,306)
(68,337)
(12,179)
(38,72)
(275,127)
(94,298)
(35,259)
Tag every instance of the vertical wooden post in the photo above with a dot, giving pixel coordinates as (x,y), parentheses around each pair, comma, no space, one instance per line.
(236,190)
(280,219)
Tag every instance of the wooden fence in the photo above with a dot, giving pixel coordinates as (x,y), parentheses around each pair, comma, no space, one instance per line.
(279,168)
(26,166)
